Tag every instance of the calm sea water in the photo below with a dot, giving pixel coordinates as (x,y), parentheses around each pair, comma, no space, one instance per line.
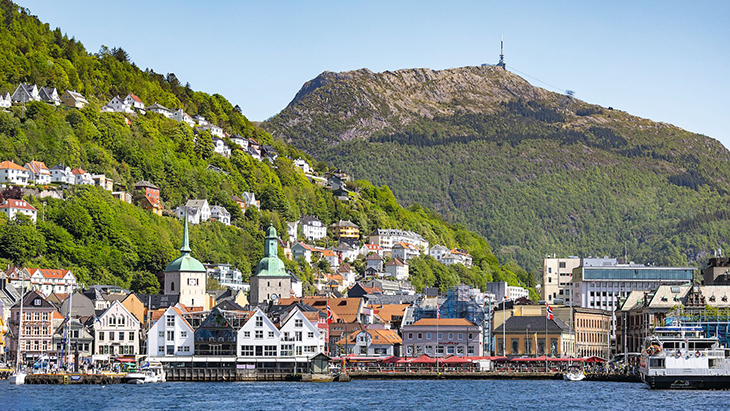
(360,395)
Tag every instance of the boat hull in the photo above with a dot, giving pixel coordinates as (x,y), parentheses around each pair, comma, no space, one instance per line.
(687,382)
(17,379)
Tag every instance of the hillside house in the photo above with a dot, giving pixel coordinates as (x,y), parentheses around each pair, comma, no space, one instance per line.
(198,211)
(346,230)
(303,165)
(160,109)
(397,268)
(103,181)
(220,147)
(117,105)
(404,251)
(13,174)
(6,100)
(38,173)
(312,228)
(134,102)
(200,120)
(74,99)
(214,130)
(49,95)
(219,213)
(148,196)
(181,116)
(374,261)
(12,207)
(62,174)
(438,252)
(49,281)
(331,257)
(269,153)
(250,199)
(457,256)
(122,196)
(25,93)
(303,250)
(81,177)
(388,237)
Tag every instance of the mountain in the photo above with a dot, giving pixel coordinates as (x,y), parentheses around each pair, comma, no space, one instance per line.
(536,172)
(104,240)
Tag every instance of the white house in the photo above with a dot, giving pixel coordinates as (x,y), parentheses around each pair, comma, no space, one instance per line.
(12,207)
(198,211)
(62,174)
(368,249)
(13,174)
(116,332)
(49,95)
(438,252)
(258,337)
(243,142)
(134,102)
(292,230)
(160,109)
(200,120)
(378,342)
(81,177)
(312,228)
(49,281)
(38,172)
(457,256)
(374,261)
(220,147)
(25,93)
(300,337)
(332,258)
(387,238)
(303,165)
(219,213)
(249,198)
(302,250)
(347,252)
(214,130)
(172,334)
(182,116)
(6,100)
(397,268)
(118,105)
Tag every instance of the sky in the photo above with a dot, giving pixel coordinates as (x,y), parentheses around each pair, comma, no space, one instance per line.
(664,60)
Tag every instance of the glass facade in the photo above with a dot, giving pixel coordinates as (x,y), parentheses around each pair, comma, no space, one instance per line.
(635,273)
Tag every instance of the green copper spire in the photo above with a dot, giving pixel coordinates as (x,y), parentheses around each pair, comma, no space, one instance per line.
(185,249)
(270,247)
(271,265)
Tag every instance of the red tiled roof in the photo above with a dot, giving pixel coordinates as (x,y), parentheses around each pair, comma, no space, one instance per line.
(19,204)
(48,273)
(443,321)
(10,164)
(135,98)
(77,171)
(328,253)
(37,167)
(152,200)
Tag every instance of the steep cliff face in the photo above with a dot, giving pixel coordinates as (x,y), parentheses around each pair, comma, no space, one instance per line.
(536,172)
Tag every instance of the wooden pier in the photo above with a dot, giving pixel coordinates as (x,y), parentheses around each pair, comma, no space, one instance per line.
(103,379)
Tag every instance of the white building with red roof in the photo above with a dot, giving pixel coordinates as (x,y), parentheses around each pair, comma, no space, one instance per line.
(13,174)
(457,256)
(38,173)
(12,207)
(81,177)
(172,334)
(118,105)
(134,102)
(116,332)
(49,281)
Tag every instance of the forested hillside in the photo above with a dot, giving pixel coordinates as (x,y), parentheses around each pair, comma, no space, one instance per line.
(104,240)
(535,172)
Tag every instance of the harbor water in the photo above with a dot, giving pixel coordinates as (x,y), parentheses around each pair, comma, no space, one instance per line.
(360,395)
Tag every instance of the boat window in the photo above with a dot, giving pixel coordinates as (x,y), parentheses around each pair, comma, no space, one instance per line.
(656,362)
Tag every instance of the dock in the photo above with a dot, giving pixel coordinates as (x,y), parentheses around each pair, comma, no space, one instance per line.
(82,379)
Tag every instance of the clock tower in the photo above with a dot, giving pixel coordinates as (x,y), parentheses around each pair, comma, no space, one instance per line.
(271,280)
(185,276)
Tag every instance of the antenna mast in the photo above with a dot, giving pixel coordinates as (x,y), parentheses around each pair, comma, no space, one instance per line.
(501,54)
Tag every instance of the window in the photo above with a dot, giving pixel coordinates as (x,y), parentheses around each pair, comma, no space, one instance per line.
(247,350)
(121,321)
(310,334)
(161,334)
(101,335)
(131,336)
(420,336)
(450,349)
(113,320)
(186,348)
(259,350)
(298,323)
(470,350)
(259,321)
(471,336)
(247,334)
(440,336)
(170,320)
(160,350)
(297,336)
(287,350)
(515,346)
(171,336)
(460,336)
(562,264)
(111,336)
(271,334)
(269,351)
(179,348)
(440,349)
(172,286)
(451,336)
(428,336)
(410,336)
(183,334)
(259,334)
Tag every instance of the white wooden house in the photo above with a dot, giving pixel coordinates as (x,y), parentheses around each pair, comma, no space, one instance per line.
(172,334)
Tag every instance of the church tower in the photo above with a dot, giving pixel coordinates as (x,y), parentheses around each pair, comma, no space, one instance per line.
(271,280)
(186,277)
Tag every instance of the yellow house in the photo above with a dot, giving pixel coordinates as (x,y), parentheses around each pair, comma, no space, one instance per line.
(136,307)
(345,229)
(534,336)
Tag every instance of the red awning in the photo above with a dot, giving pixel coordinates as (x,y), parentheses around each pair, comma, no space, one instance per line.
(124,359)
(455,360)
(423,359)
(593,359)
(391,360)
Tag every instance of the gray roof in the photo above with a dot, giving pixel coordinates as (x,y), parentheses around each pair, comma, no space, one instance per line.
(374,299)
(535,323)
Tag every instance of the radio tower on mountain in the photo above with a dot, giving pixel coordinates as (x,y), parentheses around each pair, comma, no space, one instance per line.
(501,54)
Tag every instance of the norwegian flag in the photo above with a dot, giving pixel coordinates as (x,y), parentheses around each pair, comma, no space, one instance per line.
(438,311)
(548,311)
(329,314)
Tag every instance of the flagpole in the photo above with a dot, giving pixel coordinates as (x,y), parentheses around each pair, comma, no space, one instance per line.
(438,317)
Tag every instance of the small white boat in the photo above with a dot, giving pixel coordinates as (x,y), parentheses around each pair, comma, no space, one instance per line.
(574,374)
(18,378)
(153,373)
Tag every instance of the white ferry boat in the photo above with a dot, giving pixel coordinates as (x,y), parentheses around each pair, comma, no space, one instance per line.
(681,358)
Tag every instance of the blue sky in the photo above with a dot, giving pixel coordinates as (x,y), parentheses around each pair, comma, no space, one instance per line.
(664,60)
